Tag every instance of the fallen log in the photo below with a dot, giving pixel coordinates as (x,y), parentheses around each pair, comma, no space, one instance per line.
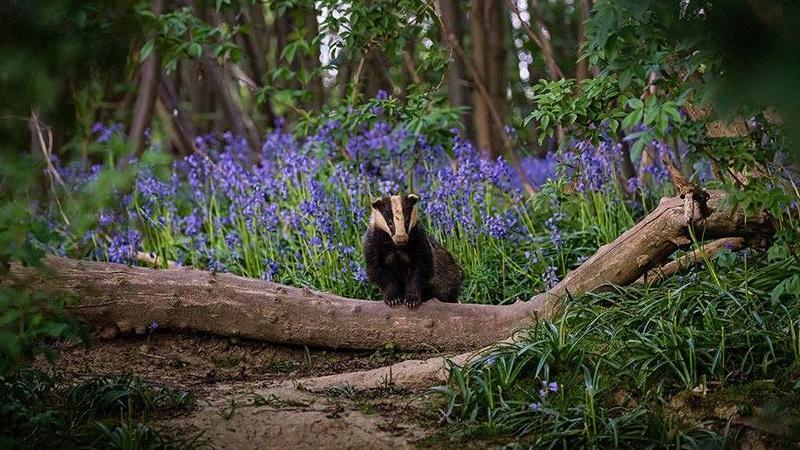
(119,299)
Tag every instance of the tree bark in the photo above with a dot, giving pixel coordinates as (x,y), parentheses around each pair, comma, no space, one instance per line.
(487,25)
(303,18)
(256,45)
(146,97)
(457,78)
(117,298)
(183,133)
(582,65)
(241,123)
(541,41)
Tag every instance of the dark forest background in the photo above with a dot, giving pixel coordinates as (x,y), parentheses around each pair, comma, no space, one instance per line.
(185,68)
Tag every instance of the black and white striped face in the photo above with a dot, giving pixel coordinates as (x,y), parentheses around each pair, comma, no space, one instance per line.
(396,216)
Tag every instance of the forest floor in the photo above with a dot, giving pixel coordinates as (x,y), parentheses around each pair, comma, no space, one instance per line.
(247,396)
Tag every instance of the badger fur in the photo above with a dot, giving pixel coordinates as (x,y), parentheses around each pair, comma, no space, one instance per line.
(408,266)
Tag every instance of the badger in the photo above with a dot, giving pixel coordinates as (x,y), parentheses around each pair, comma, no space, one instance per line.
(407,265)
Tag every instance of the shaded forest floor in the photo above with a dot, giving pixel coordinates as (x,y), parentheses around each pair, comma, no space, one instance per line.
(246,395)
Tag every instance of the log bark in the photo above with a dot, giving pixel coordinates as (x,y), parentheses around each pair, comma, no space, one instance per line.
(117,298)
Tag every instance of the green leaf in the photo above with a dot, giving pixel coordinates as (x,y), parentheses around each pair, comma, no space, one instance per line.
(147,49)
(635,103)
(289,51)
(195,50)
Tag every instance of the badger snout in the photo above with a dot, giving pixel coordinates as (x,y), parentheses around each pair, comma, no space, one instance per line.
(401,239)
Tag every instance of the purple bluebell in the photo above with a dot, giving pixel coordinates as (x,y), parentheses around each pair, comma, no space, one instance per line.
(550,277)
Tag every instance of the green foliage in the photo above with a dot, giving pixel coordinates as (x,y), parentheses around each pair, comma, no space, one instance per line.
(420,113)
(620,358)
(181,34)
(41,410)
(27,316)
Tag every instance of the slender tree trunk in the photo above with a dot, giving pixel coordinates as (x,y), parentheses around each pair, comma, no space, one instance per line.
(311,63)
(376,73)
(256,45)
(304,19)
(487,25)
(538,37)
(458,80)
(241,123)
(182,129)
(553,70)
(582,66)
(149,74)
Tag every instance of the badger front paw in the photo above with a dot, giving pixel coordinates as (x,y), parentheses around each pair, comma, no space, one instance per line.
(412,301)
(393,301)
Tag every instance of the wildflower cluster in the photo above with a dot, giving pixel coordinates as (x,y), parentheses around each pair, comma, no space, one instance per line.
(296,215)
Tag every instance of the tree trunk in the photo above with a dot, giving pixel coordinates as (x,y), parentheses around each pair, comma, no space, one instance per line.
(582,65)
(256,45)
(149,74)
(487,25)
(240,122)
(182,131)
(117,298)
(311,63)
(457,78)
(303,18)
(376,73)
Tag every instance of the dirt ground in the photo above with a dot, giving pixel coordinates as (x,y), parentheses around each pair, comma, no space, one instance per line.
(247,397)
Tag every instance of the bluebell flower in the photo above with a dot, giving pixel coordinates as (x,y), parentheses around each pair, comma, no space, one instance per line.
(359,274)
(124,247)
(535,406)
(105,218)
(550,277)
(271,269)
(633,184)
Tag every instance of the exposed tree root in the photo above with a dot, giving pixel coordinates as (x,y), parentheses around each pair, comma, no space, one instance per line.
(118,298)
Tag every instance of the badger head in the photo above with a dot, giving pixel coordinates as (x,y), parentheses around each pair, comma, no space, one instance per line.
(396,216)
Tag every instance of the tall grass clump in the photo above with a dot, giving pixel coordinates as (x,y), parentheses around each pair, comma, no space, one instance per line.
(614,368)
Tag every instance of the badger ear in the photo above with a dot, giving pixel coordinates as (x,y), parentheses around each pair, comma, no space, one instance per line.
(376,203)
(413,198)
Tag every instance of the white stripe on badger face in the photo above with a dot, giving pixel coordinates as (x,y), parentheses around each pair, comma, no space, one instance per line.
(400,234)
(379,222)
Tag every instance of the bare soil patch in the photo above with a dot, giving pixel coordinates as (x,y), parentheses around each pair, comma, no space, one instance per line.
(247,396)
